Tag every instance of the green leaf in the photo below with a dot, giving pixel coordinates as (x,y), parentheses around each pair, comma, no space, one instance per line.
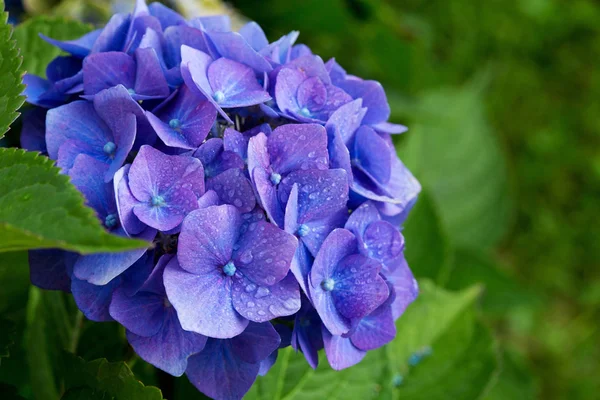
(113,378)
(51,324)
(11,86)
(40,208)
(501,295)
(36,52)
(86,393)
(14,280)
(454,153)
(462,356)
(514,382)
(427,249)
(463,359)
(292,379)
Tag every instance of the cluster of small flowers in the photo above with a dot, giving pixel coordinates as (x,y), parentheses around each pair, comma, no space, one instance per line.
(266,180)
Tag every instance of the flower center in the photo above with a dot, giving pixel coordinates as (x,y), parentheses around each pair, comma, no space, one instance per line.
(328,285)
(109,148)
(303,230)
(110,221)
(305,112)
(275,178)
(157,201)
(175,124)
(218,96)
(229,268)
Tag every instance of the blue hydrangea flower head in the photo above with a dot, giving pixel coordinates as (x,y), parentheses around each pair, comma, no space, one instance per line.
(264,180)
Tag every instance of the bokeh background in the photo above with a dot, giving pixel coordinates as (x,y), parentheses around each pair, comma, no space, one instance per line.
(502,98)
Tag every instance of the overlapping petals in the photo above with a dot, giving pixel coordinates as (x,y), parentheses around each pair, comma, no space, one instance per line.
(263,179)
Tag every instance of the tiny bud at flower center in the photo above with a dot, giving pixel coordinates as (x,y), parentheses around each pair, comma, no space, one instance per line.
(275,178)
(229,268)
(328,285)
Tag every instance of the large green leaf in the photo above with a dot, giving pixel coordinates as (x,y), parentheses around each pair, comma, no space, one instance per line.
(111,379)
(463,359)
(454,153)
(7,337)
(10,71)
(427,249)
(37,53)
(40,208)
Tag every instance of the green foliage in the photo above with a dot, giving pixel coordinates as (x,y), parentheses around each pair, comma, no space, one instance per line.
(36,52)
(10,71)
(454,153)
(37,203)
(427,251)
(463,357)
(7,337)
(105,380)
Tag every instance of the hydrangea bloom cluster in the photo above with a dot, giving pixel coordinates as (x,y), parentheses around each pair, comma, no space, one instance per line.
(263,178)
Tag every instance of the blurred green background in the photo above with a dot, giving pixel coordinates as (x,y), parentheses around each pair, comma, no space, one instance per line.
(502,98)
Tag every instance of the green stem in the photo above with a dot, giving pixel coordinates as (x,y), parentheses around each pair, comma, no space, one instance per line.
(77,324)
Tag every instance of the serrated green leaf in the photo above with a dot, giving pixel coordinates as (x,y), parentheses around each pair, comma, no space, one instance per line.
(292,379)
(37,53)
(86,393)
(453,152)
(463,350)
(427,249)
(40,208)
(113,378)
(10,84)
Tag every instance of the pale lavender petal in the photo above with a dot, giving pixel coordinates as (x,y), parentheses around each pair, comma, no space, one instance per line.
(264,303)
(360,218)
(387,127)
(346,120)
(368,156)
(373,97)
(254,35)
(267,194)
(359,289)
(406,288)
(236,83)
(264,254)
(105,70)
(234,46)
(218,373)
(125,202)
(207,238)
(99,269)
(170,348)
(150,81)
(203,302)
(298,146)
(256,343)
(374,330)
(340,351)
(286,89)
(234,188)
(383,242)
(142,313)
(92,300)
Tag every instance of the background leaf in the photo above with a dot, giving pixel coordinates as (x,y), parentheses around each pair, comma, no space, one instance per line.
(463,357)
(10,71)
(452,150)
(39,208)
(113,378)
(427,249)
(36,52)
